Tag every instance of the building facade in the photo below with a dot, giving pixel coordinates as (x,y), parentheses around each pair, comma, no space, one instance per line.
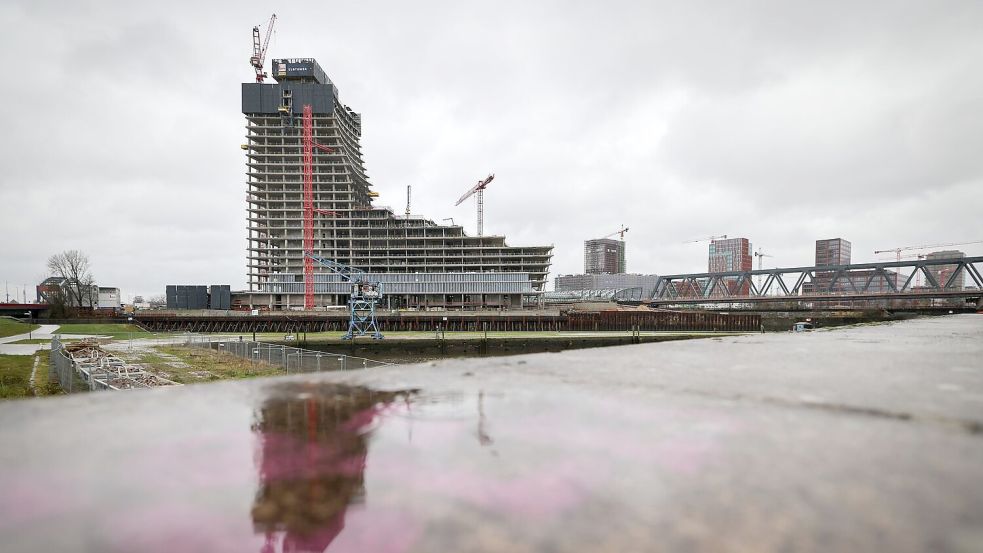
(832,251)
(578,283)
(943,273)
(75,295)
(110,298)
(424,291)
(604,256)
(94,297)
(348,229)
(732,254)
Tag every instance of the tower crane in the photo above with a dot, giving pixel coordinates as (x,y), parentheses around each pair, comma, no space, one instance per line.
(761,255)
(620,233)
(708,238)
(258,59)
(897,251)
(479,191)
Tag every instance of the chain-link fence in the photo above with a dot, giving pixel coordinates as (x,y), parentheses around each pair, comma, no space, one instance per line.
(290,359)
(62,369)
(84,366)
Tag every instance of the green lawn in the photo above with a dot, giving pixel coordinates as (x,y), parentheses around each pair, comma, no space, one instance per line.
(42,385)
(117,331)
(15,376)
(11,327)
(34,341)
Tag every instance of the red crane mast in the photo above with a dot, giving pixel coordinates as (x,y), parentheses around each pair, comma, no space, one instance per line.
(308,145)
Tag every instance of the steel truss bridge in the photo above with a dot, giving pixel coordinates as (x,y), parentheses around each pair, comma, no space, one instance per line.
(862,281)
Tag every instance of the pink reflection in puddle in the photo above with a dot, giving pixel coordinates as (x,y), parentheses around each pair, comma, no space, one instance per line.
(312,447)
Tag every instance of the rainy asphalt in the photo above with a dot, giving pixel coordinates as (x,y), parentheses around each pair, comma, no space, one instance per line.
(855,439)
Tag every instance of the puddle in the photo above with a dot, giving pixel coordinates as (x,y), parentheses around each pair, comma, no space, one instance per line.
(313,444)
(343,468)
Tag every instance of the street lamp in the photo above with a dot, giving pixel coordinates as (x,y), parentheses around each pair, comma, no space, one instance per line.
(129,334)
(30,321)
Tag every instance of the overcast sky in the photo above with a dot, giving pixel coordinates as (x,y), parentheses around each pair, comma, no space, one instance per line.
(781,122)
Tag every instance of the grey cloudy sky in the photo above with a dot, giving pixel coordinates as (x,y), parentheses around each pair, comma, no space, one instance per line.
(782,122)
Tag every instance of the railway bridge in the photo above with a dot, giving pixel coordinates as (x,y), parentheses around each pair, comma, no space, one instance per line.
(894,284)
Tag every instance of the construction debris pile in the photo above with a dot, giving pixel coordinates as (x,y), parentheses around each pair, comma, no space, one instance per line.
(104,371)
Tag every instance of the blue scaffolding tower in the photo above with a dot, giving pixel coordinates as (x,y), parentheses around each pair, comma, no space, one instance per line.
(365,295)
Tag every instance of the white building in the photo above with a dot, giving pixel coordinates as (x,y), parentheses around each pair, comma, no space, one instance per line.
(109,298)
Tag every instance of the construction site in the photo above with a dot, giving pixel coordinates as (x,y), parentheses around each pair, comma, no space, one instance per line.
(312,224)
(317,244)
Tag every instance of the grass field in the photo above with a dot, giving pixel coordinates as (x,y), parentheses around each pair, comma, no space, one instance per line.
(33,341)
(202,365)
(117,331)
(15,376)
(10,327)
(42,385)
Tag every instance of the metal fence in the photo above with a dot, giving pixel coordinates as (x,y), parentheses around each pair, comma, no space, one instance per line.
(292,360)
(85,366)
(62,368)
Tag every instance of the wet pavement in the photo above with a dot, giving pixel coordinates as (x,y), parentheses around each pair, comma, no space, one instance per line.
(859,439)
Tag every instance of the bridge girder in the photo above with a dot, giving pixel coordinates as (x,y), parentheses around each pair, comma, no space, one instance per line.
(823,282)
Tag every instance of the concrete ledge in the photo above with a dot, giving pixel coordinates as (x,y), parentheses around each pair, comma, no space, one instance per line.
(857,439)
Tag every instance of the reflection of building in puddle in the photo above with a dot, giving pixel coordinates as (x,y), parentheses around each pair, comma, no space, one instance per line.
(313,441)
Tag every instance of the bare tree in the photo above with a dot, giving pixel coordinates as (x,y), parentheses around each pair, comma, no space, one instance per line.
(73,266)
(58,307)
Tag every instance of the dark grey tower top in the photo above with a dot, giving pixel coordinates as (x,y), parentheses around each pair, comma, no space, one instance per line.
(302,79)
(304,70)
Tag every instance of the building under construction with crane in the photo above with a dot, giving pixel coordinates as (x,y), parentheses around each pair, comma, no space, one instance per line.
(308,197)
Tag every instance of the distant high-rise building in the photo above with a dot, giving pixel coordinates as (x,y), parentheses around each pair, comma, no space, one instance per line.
(604,256)
(942,273)
(732,254)
(832,251)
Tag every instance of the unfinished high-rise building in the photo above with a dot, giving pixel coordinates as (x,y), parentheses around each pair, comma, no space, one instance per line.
(420,263)
(604,256)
